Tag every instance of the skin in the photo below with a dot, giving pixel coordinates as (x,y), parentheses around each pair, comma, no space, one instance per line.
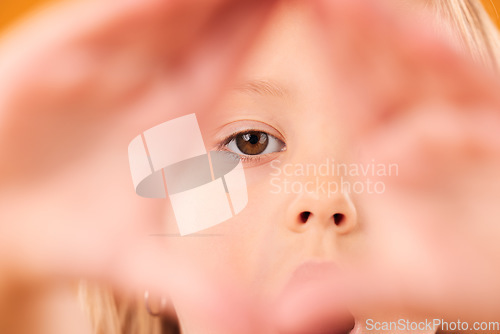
(76,124)
(263,245)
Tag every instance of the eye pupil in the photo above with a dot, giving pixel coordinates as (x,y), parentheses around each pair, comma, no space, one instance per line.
(252,142)
(251,138)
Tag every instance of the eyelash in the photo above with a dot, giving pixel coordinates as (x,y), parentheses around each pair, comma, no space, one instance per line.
(222,146)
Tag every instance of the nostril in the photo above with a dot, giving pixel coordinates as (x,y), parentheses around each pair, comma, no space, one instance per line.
(304,216)
(338,218)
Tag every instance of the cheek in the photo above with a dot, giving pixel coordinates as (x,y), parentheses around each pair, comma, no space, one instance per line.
(233,247)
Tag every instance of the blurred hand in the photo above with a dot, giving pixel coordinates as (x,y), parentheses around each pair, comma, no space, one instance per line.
(77,82)
(410,98)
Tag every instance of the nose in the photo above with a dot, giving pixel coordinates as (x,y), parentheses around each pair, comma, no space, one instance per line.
(329,211)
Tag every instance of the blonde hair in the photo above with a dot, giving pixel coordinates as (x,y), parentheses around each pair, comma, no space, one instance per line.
(109,314)
(475,33)
(472,28)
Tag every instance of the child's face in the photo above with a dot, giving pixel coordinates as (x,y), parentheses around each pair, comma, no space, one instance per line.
(291,218)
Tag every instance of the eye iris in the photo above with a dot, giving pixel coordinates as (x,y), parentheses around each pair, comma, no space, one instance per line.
(252,142)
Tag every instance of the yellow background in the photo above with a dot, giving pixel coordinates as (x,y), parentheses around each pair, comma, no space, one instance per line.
(11,10)
(493,7)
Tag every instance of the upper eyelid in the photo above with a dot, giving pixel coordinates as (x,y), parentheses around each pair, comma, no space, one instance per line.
(231,137)
(254,126)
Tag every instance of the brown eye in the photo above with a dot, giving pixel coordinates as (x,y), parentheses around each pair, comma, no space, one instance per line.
(252,142)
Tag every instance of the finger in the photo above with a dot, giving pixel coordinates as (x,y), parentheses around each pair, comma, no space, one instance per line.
(384,290)
(210,298)
(71,242)
(156,32)
(71,81)
(313,309)
(394,59)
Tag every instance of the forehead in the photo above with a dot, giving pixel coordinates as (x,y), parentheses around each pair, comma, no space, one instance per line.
(289,53)
(292,48)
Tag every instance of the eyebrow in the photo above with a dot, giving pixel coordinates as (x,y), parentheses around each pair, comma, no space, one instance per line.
(262,87)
